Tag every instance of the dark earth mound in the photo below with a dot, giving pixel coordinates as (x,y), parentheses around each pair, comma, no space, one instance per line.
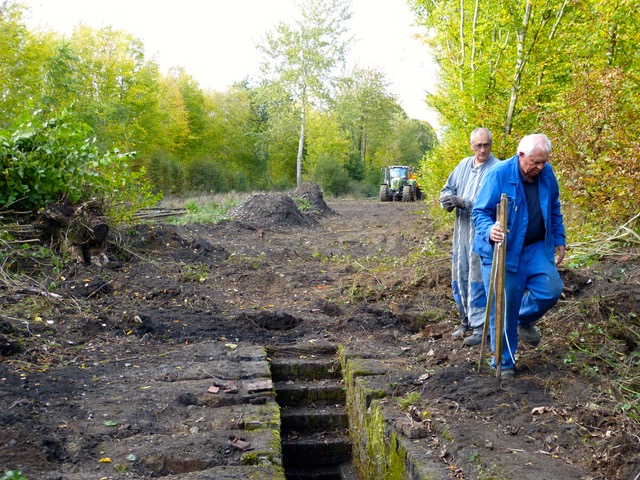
(313,194)
(268,210)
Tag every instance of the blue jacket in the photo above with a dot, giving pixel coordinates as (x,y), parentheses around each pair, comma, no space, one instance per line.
(504,177)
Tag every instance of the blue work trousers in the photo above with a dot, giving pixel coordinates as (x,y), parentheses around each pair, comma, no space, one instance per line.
(529,293)
(468,286)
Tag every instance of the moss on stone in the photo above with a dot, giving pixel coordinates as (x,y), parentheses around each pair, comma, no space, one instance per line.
(274,474)
(268,416)
(272,454)
(397,460)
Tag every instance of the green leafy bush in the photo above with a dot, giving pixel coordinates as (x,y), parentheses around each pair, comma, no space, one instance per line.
(45,160)
(205,175)
(302,203)
(167,173)
(331,174)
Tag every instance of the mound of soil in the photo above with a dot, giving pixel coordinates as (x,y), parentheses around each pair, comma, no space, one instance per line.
(313,194)
(272,210)
(269,210)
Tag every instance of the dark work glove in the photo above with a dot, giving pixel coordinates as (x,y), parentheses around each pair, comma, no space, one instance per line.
(447,204)
(451,202)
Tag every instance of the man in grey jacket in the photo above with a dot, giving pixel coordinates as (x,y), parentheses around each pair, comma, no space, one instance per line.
(459,194)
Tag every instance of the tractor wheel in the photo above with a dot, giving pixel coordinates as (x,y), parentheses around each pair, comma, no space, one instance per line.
(406,193)
(384,193)
(418,194)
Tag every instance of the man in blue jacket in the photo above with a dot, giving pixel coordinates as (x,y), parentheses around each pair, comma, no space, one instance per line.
(535,240)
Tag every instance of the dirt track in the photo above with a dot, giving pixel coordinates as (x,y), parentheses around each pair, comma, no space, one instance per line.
(328,277)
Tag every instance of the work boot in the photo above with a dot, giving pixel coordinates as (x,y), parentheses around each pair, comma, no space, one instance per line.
(530,334)
(459,333)
(507,374)
(474,339)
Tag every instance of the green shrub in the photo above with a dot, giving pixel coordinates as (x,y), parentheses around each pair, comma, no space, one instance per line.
(355,166)
(302,203)
(205,175)
(166,173)
(43,161)
(331,175)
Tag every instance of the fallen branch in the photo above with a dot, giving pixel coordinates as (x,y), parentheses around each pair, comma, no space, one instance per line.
(37,291)
(29,240)
(619,235)
(149,213)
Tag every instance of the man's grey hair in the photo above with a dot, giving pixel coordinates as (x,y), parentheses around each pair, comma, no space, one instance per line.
(476,130)
(530,142)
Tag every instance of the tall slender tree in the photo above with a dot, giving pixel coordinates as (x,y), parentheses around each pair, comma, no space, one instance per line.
(491,55)
(366,110)
(568,68)
(303,57)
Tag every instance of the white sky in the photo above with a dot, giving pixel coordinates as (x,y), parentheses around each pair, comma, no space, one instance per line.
(214,40)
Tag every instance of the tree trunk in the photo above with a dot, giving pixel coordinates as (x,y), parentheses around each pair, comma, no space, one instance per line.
(472,62)
(303,118)
(462,48)
(520,64)
(523,56)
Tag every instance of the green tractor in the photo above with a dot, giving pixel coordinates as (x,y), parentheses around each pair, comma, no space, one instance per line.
(399,184)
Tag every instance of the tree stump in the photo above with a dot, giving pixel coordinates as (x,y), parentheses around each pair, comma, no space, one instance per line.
(80,230)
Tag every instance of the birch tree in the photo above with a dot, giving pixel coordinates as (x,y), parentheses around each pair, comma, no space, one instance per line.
(301,60)
(489,53)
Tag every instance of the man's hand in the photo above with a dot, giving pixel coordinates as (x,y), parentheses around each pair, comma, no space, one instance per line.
(560,251)
(496,234)
(447,204)
(451,202)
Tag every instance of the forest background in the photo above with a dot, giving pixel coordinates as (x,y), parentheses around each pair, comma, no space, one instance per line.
(88,114)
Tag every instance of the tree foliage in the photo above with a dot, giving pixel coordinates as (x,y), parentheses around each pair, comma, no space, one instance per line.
(22,64)
(568,68)
(302,57)
(598,157)
(100,85)
(366,110)
(47,160)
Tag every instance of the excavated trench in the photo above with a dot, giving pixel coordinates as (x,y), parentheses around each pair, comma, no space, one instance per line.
(314,420)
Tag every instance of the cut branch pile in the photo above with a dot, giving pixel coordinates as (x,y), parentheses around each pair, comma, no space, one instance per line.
(57,219)
(604,246)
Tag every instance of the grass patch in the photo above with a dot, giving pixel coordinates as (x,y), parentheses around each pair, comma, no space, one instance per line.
(410,399)
(211,209)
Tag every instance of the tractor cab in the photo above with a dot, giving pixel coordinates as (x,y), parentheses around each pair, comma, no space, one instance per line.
(399,184)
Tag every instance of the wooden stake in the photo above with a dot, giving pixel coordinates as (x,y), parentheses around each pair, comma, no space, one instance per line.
(502,216)
(487,312)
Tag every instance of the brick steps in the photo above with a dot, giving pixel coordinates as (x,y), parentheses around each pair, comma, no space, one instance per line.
(314,421)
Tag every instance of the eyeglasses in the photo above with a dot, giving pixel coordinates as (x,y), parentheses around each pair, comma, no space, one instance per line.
(478,146)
